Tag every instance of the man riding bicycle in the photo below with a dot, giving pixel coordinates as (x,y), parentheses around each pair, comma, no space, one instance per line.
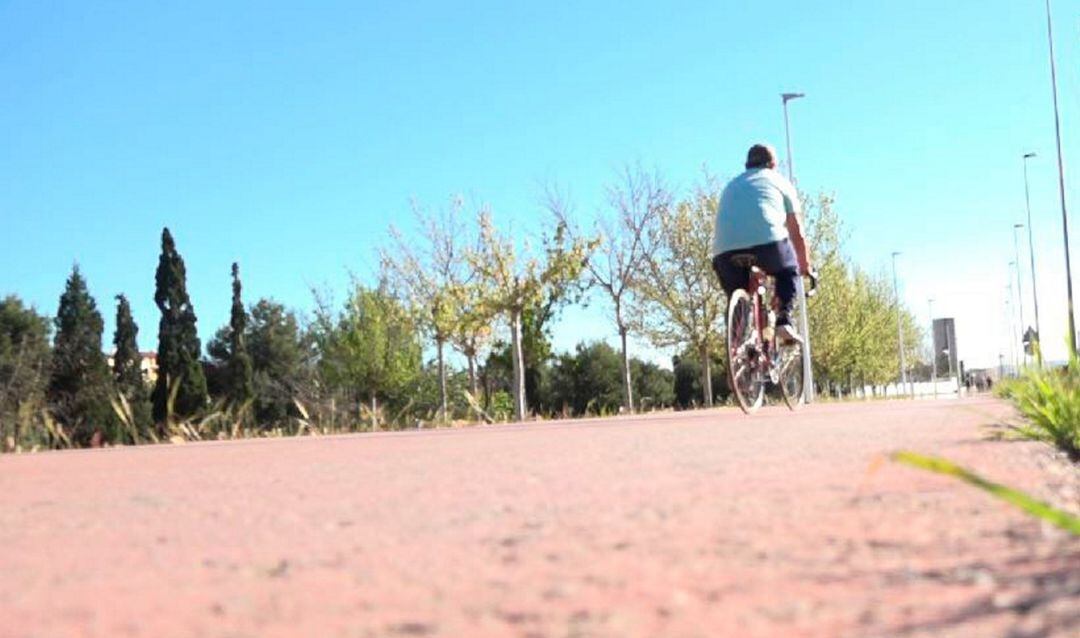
(758,215)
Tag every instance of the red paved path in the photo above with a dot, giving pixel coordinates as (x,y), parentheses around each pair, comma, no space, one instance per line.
(692,524)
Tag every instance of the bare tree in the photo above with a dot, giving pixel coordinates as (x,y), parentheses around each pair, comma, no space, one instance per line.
(636,200)
(433,273)
(678,299)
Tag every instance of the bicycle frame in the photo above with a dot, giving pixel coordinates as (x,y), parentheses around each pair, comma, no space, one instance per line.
(760,284)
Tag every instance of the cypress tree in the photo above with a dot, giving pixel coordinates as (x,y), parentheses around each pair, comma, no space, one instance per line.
(80,386)
(127,366)
(240,388)
(126,360)
(178,340)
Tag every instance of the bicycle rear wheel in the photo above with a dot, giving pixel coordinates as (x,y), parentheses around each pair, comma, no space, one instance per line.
(746,363)
(791,375)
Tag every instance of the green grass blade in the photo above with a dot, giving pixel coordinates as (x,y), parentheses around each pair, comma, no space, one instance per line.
(1037,508)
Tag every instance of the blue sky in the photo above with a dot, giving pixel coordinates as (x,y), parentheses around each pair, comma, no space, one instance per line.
(288,136)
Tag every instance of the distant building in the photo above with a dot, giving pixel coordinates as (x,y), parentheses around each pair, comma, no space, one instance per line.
(148,365)
(945,346)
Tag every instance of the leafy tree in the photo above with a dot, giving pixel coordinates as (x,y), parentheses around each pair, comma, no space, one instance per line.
(472,333)
(517,280)
(853,315)
(588,380)
(240,389)
(426,394)
(536,352)
(654,386)
(280,354)
(372,347)
(679,299)
(497,373)
(687,382)
(80,386)
(24,368)
(625,244)
(687,377)
(178,339)
(127,367)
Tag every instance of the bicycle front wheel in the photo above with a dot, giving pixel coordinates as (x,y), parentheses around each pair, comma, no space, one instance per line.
(746,361)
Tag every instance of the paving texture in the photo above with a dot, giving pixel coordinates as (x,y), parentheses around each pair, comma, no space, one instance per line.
(687,524)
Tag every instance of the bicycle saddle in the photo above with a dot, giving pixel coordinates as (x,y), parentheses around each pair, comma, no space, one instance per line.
(744,260)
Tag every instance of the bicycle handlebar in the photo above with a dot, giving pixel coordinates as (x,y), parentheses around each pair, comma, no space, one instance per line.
(813,283)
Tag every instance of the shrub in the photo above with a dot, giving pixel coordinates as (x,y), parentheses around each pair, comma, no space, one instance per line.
(1050,399)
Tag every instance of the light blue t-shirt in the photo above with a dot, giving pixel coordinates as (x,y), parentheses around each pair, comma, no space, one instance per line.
(753,209)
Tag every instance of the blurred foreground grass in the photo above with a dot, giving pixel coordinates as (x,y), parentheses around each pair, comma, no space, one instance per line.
(1029,504)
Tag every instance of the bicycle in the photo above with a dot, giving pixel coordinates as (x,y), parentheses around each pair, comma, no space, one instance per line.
(754,354)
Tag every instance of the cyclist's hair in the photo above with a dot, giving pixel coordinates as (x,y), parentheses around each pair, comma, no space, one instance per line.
(760,156)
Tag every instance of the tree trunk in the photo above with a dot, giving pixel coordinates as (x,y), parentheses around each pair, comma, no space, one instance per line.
(485,380)
(706,376)
(628,387)
(473,387)
(439,346)
(519,366)
(374,413)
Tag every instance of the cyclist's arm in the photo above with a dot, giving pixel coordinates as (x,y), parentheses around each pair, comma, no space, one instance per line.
(794,226)
(798,242)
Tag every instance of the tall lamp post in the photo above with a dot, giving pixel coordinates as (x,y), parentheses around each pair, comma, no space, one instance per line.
(804,320)
(1031,251)
(1012,319)
(787,97)
(899,327)
(1019,292)
(1061,182)
(933,349)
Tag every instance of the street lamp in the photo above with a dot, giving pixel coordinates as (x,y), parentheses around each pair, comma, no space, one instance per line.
(787,97)
(1009,303)
(933,349)
(1019,292)
(1031,251)
(804,319)
(1061,182)
(899,328)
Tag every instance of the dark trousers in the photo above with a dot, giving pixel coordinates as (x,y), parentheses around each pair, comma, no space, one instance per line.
(777,259)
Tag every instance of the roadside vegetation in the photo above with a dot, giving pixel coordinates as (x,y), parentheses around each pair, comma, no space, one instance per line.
(455,327)
(1050,401)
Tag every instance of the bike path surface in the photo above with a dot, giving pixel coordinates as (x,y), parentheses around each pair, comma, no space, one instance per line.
(703,523)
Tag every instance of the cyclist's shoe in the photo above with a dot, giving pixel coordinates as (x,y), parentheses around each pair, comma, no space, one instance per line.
(786,335)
